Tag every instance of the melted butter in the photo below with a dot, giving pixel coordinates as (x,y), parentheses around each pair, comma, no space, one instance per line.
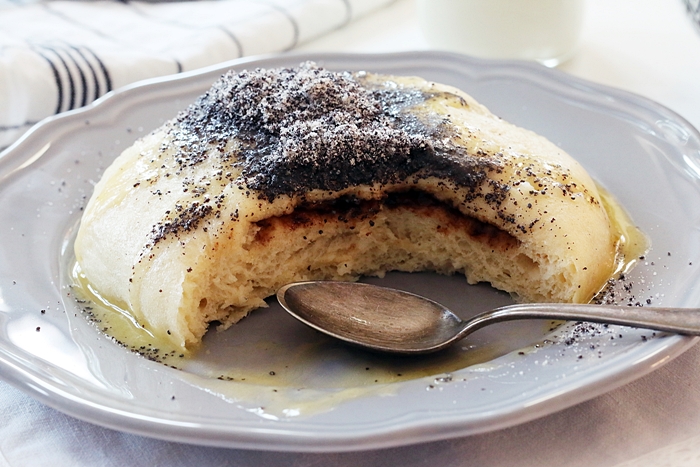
(322,362)
(632,243)
(116,321)
(270,348)
(287,354)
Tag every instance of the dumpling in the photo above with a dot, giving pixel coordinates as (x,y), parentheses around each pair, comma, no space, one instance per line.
(280,175)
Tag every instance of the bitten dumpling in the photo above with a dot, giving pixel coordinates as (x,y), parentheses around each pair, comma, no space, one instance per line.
(282,175)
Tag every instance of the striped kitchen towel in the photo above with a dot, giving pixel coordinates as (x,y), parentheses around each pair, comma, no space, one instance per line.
(57,55)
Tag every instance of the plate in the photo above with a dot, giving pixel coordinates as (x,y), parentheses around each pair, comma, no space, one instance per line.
(270,383)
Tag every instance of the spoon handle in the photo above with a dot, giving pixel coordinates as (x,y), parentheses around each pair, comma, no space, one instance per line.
(676,320)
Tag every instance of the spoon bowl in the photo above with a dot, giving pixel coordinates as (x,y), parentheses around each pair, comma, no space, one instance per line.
(395,321)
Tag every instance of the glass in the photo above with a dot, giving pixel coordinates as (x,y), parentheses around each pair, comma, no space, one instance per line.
(543,30)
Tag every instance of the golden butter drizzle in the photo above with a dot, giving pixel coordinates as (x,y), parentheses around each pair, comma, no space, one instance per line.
(117,321)
(632,243)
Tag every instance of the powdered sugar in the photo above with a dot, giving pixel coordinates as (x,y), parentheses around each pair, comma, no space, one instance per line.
(308,128)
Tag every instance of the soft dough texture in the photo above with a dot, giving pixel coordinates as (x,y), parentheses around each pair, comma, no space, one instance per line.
(283,175)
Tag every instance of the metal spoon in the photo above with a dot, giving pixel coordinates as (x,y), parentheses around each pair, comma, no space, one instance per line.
(394,321)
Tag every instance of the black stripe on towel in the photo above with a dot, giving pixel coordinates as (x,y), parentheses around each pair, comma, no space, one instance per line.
(80,75)
(85,66)
(103,68)
(61,64)
(295,25)
(26,124)
(74,65)
(56,75)
(234,39)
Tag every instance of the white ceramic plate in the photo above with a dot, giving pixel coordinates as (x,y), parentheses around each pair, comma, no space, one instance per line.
(303,392)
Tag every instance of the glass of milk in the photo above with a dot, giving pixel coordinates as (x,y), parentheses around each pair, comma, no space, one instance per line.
(543,30)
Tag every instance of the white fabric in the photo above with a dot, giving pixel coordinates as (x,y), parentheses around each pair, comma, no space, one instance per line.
(60,55)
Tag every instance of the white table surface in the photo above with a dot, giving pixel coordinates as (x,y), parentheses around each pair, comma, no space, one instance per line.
(648,47)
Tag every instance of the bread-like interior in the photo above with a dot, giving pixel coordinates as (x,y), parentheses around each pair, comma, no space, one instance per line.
(204,218)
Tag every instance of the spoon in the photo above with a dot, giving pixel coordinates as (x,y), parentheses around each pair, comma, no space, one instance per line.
(395,321)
